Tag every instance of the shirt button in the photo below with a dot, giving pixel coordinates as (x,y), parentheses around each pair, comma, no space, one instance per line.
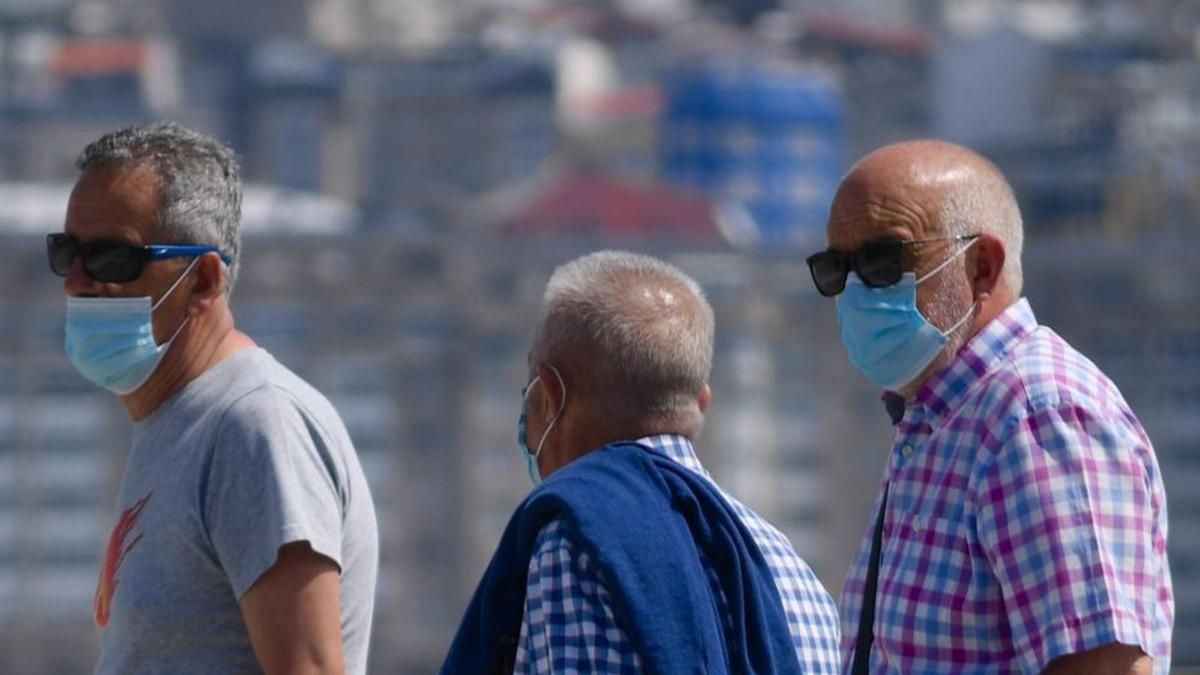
(917,526)
(906,451)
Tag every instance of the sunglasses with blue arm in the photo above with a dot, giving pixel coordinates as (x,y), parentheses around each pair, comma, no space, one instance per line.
(113,261)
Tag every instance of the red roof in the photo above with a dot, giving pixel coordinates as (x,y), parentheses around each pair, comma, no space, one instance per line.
(645,101)
(89,59)
(591,205)
(845,30)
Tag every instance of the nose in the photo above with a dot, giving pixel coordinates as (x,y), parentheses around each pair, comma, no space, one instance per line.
(78,282)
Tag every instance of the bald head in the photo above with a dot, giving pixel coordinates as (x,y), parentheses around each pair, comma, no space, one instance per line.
(961,237)
(927,189)
(636,335)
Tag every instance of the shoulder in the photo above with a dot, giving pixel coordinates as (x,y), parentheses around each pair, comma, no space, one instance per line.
(270,428)
(269,395)
(554,538)
(558,560)
(265,406)
(791,572)
(610,500)
(1046,406)
(1055,373)
(1043,373)
(764,533)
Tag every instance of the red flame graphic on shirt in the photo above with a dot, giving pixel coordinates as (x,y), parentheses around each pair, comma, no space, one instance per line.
(106,587)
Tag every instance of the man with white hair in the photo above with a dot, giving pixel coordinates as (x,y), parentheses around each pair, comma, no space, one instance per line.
(247,539)
(627,557)
(1021,524)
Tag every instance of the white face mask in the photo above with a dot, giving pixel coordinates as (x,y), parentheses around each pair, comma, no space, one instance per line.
(110,341)
(885,335)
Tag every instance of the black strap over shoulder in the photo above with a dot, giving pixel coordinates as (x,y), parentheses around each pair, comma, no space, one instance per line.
(866,618)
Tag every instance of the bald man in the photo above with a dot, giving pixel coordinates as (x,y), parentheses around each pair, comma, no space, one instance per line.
(1021,524)
(627,557)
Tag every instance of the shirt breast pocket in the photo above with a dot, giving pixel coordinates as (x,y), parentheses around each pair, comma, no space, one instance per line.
(935,544)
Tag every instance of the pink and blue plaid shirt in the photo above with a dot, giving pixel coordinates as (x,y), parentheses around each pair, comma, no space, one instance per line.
(1025,518)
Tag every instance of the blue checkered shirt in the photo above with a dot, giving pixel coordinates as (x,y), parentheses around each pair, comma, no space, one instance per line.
(569,624)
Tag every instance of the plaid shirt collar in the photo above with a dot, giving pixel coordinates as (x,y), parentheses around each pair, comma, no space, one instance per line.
(942,392)
(677,448)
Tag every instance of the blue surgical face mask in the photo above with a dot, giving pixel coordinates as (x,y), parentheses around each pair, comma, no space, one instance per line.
(522,424)
(885,334)
(110,341)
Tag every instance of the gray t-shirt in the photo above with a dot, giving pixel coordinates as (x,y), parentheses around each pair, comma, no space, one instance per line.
(244,459)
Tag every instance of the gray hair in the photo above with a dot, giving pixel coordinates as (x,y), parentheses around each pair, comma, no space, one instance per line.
(200,182)
(641,330)
(985,203)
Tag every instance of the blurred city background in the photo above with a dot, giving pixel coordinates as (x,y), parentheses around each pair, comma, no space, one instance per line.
(416,169)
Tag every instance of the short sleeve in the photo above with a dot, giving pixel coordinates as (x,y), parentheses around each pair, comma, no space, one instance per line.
(568,623)
(1068,521)
(270,483)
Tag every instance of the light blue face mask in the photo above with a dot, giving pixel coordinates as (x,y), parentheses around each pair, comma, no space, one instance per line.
(885,334)
(110,341)
(522,424)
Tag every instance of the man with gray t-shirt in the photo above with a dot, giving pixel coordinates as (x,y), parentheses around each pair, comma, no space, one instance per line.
(245,539)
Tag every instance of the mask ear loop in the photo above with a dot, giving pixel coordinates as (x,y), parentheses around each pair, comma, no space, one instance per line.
(171,290)
(949,260)
(561,406)
(970,310)
(175,285)
(529,388)
(960,322)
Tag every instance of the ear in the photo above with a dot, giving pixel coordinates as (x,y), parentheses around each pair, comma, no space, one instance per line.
(705,398)
(985,265)
(209,284)
(553,388)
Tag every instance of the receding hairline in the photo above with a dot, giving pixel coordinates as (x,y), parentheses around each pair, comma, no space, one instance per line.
(125,170)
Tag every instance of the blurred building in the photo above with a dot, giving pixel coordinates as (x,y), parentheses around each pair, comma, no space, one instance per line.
(293,120)
(434,133)
(213,21)
(1156,183)
(897,13)
(66,91)
(884,73)
(1044,97)
(765,136)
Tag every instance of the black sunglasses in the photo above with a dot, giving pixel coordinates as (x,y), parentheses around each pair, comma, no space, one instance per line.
(879,264)
(112,261)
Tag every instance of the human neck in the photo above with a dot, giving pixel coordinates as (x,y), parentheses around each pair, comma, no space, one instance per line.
(209,339)
(989,309)
(581,439)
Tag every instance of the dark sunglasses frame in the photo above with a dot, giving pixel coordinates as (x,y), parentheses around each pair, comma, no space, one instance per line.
(879,263)
(110,261)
